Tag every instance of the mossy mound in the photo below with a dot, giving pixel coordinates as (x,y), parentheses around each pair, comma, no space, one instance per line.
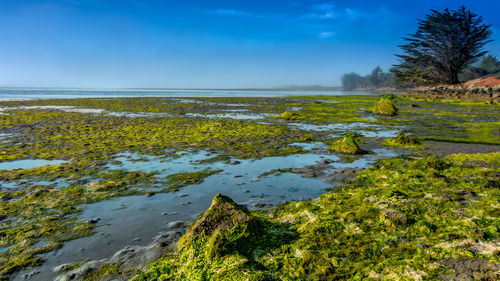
(384,106)
(347,144)
(404,141)
(225,238)
(288,115)
(223,226)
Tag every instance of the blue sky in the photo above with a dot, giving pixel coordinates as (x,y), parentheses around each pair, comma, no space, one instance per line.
(207,43)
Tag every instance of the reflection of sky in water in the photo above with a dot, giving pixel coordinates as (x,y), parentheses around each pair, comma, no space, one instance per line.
(239,116)
(28,164)
(366,129)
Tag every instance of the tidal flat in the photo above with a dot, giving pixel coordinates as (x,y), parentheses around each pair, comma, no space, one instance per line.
(105,173)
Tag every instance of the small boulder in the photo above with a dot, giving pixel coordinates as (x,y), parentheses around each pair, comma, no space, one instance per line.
(224,227)
(288,115)
(346,144)
(176,224)
(384,107)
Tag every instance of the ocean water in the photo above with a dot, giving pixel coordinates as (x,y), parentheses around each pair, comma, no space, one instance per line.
(46,93)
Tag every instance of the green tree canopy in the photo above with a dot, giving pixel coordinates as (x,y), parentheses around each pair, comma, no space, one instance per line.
(443,46)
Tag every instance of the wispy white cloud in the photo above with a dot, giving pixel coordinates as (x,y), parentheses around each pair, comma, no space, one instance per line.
(326,34)
(327,11)
(320,11)
(228,12)
(323,7)
(359,14)
(237,13)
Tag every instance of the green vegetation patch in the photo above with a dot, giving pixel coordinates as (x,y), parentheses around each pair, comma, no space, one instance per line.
(106,270)
(179,180)
(402,219)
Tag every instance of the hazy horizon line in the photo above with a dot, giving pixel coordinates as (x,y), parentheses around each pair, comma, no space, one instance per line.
(292,87)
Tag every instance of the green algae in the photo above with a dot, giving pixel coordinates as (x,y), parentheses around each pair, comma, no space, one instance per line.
(399,220)
(218,158)
(176,181)
(277,171)
(105,270)
(90,141)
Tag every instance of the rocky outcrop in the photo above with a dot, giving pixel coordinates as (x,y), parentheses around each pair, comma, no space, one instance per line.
(224,227)
(482,89)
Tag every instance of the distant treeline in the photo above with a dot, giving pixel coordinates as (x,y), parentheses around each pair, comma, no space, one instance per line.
(378,78)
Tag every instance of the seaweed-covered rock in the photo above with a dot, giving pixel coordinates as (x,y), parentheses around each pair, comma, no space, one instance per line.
(225,227)
(384,106)
(347,144)
(405,141)
(288,115)
(219,246)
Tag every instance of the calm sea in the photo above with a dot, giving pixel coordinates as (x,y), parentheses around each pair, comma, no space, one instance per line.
(31,93)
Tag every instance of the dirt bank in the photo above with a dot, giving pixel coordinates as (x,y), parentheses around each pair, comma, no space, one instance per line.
(482,89)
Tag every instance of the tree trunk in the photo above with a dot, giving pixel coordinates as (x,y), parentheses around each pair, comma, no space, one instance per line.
(454,78)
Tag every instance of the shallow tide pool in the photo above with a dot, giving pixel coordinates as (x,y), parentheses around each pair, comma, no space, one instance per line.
(28,164)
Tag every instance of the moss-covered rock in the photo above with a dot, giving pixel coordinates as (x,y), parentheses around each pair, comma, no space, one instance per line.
(288,115)
(347,144)
(404,141)
(384,106)
(222,228)
(223,244)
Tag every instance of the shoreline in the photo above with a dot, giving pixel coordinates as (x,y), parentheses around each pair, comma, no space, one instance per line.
(126,162)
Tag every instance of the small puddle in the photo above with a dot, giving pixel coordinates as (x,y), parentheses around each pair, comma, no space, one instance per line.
(229,115)
(59,183)
(28,164)
(366,129)
(309,145)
